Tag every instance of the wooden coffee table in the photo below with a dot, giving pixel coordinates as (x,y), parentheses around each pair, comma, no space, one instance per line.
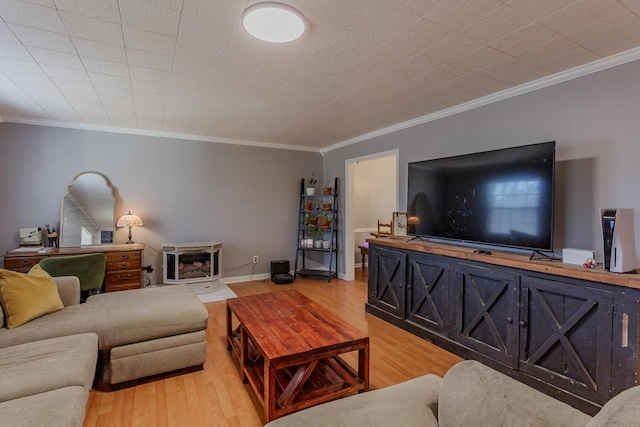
(289,350)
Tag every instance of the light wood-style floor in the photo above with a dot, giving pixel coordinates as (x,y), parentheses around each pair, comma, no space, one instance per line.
(215,396)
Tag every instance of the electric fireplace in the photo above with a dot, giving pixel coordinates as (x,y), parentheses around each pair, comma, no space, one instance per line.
(191,262)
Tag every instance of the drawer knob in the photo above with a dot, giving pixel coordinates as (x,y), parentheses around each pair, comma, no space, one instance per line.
(123,266)
(26,262)
(128,276)
(123,256)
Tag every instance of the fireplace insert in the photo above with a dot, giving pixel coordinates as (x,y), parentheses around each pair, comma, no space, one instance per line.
(191,262)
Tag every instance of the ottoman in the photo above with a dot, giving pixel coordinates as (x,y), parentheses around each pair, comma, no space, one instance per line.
(145,332)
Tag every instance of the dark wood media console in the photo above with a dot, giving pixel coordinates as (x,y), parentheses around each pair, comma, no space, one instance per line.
(568,331)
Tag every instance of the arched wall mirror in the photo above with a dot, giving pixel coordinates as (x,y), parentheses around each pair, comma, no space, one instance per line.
(88,211)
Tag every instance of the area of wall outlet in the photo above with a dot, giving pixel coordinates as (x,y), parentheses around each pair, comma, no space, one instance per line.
(255,259)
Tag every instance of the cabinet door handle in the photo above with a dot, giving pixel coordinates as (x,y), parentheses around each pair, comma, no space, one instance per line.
(522,323)
(509,320)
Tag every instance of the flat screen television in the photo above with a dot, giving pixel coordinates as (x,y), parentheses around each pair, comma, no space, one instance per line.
(498,198)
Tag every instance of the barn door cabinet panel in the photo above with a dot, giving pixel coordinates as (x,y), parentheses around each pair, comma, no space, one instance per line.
(427,293)
(387,273)
(486,306)
(537,321)
(566,336)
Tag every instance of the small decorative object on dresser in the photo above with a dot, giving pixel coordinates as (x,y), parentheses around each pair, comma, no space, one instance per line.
(52,236)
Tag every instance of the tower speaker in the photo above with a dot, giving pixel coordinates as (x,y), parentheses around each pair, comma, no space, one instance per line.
(619,242)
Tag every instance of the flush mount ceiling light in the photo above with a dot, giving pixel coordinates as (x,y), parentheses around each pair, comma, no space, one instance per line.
(273,22)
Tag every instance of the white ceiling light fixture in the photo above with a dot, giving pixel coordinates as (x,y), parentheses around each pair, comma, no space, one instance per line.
(273,22)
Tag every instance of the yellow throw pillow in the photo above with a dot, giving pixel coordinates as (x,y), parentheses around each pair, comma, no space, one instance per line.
(25,297)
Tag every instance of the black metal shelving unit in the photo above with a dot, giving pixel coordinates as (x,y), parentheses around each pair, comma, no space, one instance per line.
(305,232)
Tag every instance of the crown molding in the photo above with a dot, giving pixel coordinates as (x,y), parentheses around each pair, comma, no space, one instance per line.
(158,134)
(583,70)
(574,73)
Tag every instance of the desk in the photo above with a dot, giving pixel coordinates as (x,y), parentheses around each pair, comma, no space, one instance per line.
(364,251)
(124,262)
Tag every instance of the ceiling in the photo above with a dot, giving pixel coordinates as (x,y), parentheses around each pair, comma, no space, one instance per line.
(187,67)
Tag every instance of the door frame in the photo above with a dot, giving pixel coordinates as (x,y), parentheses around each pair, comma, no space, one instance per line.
(349,245)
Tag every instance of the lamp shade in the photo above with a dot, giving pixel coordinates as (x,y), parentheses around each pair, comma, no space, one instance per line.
(129,220)
(273,22)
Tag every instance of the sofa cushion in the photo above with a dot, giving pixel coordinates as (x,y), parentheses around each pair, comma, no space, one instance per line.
(25,297)
(622,410)
(143,314)
(475,395)
(63,407)
(47,365)
(143,359)
(119,318)
(69,289)
(411,403)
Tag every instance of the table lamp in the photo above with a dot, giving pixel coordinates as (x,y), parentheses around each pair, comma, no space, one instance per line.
(129,220)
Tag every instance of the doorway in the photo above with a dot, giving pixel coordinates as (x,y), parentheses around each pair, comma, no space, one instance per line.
(371,193)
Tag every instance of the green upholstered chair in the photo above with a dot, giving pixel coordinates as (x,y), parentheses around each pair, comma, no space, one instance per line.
(89,269)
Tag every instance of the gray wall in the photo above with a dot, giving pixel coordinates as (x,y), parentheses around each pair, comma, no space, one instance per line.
(246,197)
(595,120)
(184,191)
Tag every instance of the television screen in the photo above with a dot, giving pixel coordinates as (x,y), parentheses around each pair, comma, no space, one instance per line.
(501,197)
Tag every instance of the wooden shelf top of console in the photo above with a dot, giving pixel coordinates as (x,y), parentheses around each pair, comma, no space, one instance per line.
(78,250)
(514,260)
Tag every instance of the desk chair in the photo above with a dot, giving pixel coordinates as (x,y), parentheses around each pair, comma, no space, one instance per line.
(88,268)
(384,230)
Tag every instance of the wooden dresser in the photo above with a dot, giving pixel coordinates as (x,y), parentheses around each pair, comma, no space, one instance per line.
(124,262)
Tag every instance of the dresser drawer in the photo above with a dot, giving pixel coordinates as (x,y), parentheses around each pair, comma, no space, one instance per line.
(124,265)
(123,256)
(126,277)
(22,265)
(122,287)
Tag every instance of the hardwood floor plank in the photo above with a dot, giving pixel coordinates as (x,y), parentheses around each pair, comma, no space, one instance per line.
(216,396)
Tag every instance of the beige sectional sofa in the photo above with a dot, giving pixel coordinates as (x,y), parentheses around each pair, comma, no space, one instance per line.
(140,332)
(115,338)
(469,395)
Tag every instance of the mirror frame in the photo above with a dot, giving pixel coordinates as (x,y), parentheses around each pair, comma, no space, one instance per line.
(66,194)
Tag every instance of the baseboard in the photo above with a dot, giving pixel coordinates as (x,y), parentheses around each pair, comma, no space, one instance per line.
(255,277)
(258,277)
(237,279)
